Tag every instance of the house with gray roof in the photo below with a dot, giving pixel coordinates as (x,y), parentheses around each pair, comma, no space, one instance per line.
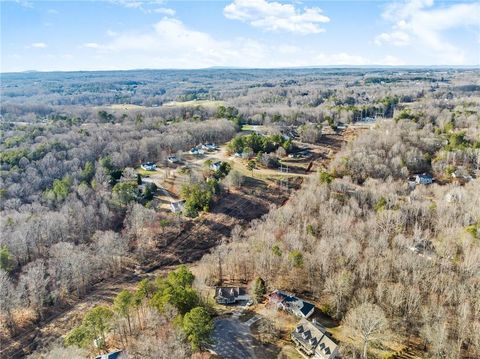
(312,340)
(423,178)
(292,304)
(230,295)
(149,166)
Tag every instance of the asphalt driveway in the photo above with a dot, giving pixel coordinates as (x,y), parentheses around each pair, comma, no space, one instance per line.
(232,339)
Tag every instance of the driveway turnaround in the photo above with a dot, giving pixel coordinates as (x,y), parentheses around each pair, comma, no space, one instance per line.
(232,339)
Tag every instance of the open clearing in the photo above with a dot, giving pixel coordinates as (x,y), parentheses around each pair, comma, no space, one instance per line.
(126,107)
(188,243)
(203,103)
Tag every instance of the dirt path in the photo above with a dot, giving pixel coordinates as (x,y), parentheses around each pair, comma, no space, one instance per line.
(199,236)
(197,239)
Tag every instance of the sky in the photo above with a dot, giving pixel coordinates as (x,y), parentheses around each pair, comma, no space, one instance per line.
(160,34)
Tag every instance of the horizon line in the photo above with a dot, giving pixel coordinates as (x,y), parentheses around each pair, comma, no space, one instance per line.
(477,66)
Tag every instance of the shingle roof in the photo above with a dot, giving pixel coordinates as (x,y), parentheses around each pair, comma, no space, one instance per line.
(326,347)
(229,292)
(112,355)
(313,337)
(307,307)
(295,304)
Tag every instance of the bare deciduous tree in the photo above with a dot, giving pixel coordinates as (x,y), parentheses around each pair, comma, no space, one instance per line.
(368,322)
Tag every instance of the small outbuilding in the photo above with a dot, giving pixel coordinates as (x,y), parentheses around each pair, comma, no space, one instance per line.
(173,159)
(216,165)
(177,207)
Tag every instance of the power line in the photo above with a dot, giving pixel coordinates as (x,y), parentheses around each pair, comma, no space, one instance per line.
(236,206)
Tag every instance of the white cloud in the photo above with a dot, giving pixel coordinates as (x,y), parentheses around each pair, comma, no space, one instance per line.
(128,3)
(25,3)
(418,23)
(52,12)
(165,11)
(171,44)
(390,60)
(39,45)
(397,38)
(288,49)
(274,16)
(144,5)
(341,58)
(91,45)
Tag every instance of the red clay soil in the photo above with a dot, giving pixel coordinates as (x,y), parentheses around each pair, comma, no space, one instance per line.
(195,239)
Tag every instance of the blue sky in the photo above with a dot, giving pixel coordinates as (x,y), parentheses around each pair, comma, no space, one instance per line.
(130,34)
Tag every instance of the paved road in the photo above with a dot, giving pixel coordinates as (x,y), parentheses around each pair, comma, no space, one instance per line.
(232,339)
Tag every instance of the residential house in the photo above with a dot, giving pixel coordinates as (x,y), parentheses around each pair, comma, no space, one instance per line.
(230,295)
(173,159)
(149,166)
(423,178)
(311,340)
(292,304)
(177,207)
(117,354)
(209,146)
(196,151)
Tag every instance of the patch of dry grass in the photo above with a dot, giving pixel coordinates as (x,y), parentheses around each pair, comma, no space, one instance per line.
(203,103)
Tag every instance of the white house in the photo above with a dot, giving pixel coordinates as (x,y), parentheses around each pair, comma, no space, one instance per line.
(292,304)
(209,146)
(196,151)
(149,166)
(230,295)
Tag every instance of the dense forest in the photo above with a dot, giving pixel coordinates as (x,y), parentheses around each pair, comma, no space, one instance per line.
(356,232)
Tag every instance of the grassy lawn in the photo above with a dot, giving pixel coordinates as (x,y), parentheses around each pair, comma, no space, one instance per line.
(144,173)
(288,351)
(246,315)
(247,128)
